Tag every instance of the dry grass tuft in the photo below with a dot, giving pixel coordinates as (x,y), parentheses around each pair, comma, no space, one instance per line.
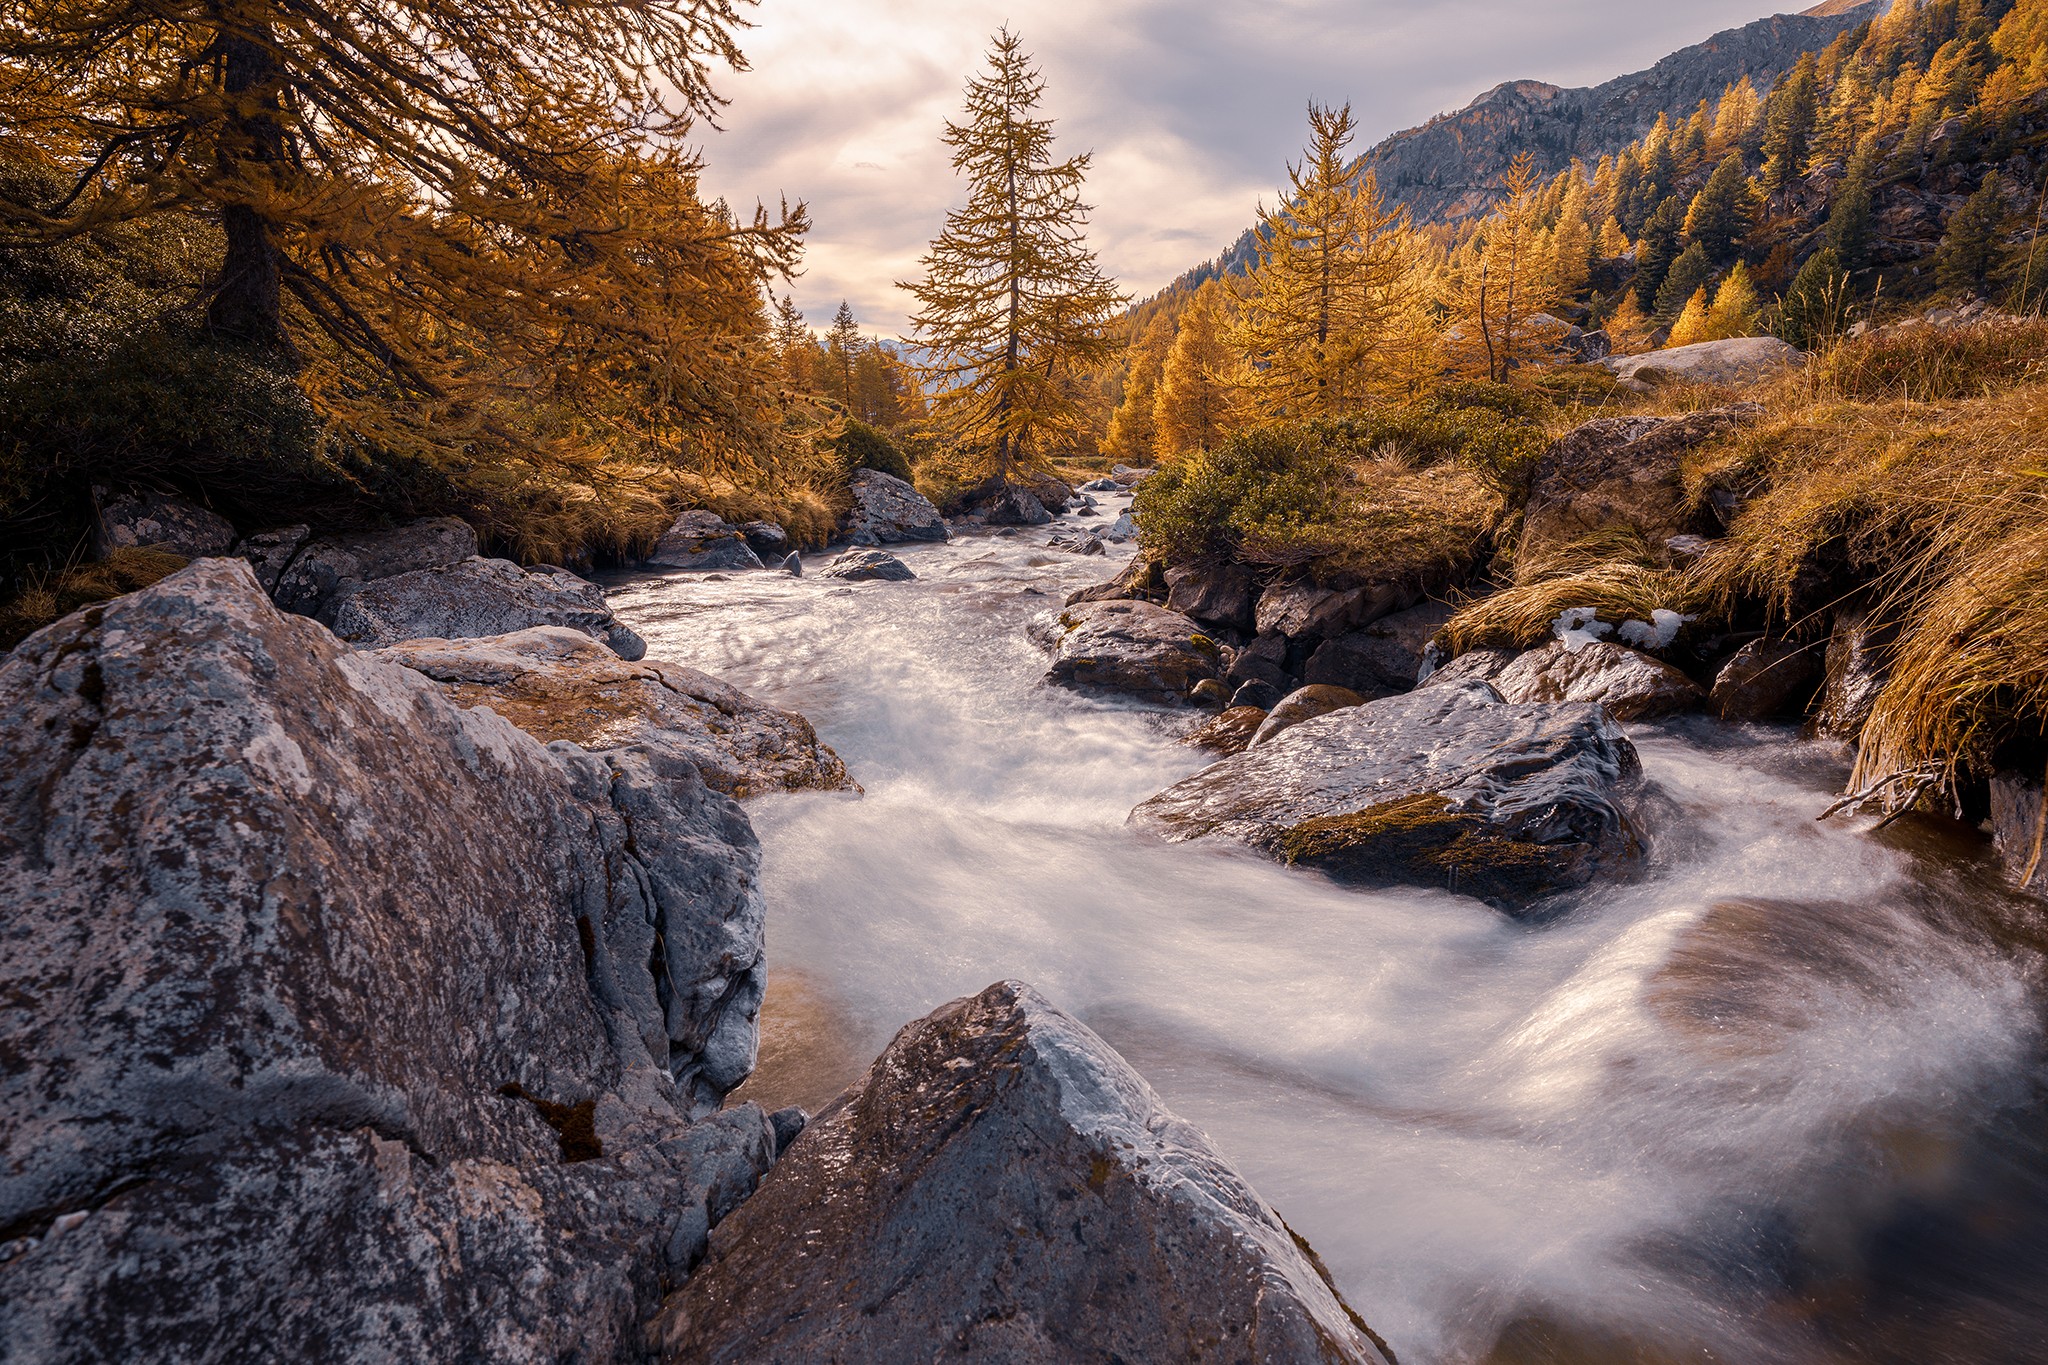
(1521,617)
(126,570)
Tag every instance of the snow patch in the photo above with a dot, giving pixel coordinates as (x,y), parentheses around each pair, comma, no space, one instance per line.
(1577,627)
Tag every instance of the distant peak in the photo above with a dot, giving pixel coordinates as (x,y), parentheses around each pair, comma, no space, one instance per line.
(1830,8)
(1527,90)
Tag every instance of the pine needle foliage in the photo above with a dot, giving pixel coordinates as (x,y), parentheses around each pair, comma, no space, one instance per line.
(1013,305)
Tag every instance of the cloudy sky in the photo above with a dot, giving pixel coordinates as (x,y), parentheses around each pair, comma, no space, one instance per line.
(1190,106)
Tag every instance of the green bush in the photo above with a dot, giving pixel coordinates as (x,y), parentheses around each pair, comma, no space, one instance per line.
(1493,429)
(1275,485)
(860,446)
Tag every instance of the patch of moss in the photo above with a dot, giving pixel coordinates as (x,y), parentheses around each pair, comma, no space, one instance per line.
(1427,840)
(1429,818)
(575,1123)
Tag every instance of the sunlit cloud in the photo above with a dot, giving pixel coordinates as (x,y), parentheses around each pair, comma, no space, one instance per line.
(1191,108)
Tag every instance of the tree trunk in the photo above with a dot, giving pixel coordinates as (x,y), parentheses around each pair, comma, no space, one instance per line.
(248,298)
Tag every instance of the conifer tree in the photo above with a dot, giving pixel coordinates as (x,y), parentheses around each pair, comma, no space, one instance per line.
(843,347)
(1629,328)
(1815,309)
(1572,243)
(794,346)
(1613,241)
(1132,431)
(1969,248)
(1658,249)
(1689,272)
(1719,216)
(1735,121)
(1848,234)
(1506,279)
(1195,400)
(1694,323)
(1012,303)
(1789,122)
(1327,280)
(1737,309)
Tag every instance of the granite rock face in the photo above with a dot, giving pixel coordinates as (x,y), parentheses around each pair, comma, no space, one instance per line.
(558,684)
(1130,647)
(477,598)
(1630,684)
(1448,786)
(162,522)
(326,569)
(336,1015)
(1001,1187)
(888,511)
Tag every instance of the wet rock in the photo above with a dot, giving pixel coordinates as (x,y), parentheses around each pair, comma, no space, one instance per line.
(1102,486)
(1209,692)
(793,565)
(1132,647)
(1054,494)
(1304,705)
(328,568)
(271,552)
(1263,695)
(1013,506)
(1076,543)
(558,684)
(1735,363)
(1631,685)
(765,539)
(1448,786)
(1123,530)
(1617,472)
(159,521)
(1474,665)
(1264,660)
(869,566)
(2017,831)
(1766,679)
(338,1016)
(1304,611)
(476,598)
(1002,1187)
(703,542)
(888,511)
(1140,579)
(1215,594)
(1383,658)
(1855,672)
(1229,733)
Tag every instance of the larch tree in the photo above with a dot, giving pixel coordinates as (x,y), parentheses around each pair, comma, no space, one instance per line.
(1013,305)
(1196,397)
(1505,279)
(1329,278)
(1132,430)
(794,346)
(1737,309)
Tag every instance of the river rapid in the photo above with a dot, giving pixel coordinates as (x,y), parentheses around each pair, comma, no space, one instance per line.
(1780,1099)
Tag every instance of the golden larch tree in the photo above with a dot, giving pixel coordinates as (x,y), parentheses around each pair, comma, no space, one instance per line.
(1504,279)
(1194,408)
(1132,432)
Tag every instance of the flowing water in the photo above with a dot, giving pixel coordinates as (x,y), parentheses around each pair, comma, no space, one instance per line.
(1779,1099)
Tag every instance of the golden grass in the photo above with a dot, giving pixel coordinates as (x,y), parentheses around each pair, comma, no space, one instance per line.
(1522,617)
(46,599)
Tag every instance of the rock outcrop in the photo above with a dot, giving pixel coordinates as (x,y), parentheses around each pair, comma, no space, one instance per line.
(1214,594)
(158,521)
(1448,786)
(558,684)
(1001,1187)
(1384,658)
(703,542)
(327,569)
(478,598)
(340,1022)
(1734,363)
(888,511)
(1304,704)
(1131,647)
(1630,684)
(1766,680)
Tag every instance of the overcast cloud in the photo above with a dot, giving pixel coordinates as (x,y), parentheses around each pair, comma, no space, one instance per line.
(1190,106)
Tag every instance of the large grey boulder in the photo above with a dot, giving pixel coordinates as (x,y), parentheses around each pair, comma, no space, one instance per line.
(339,1022)
(326,569)
(477,598)
(1448,786)
(888,511)
(1130,647)
(1219,594)
(159,521)
(1001,1187)
(1630,684)
(559,684)
(1734,363)
(703,542)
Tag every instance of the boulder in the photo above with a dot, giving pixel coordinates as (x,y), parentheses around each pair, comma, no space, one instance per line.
(1001,1187)
(1630,684)
(158,521)
(1384,658)
(1617,472)
(1141,579)
(1474,665)
(1012,506)
(271,552)
(558,684)
(793,565)
(869,566)
(1735,363)
(1766,679)
(1854,673)
(1215,594)
(1054,494)
(476,598)
(1303,705)
(1132,647)
(2017,815)
(1123,530)
(328,568)
(888,511)
(703,542)
(1263,695)
(1264,660)
(1304,611)
(1448,787)
(1124,476)
(1076,543)
(341,1022)
(765,539)
(1102,486)
(1229,733)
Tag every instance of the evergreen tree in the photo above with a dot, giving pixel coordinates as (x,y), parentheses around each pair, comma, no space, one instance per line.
(1327,280)
(1815,309)
(1571,240)
(1848,234)
(1132,432)
(1689,272)
(1012,302)
(843,346)
(1969,249)
(794,346)
(1193,408)
(1789,123)
(1719,216)
(1658,249)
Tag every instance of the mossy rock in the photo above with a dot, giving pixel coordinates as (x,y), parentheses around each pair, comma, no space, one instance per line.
(1426,840)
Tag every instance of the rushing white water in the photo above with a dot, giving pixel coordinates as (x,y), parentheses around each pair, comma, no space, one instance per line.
(1703,1115)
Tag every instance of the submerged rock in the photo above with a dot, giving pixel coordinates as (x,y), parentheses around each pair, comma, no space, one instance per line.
(1766,679)
(159,521)
(327,569)
(478,598)
(1002,1187)
(1077,543)
(703,542)
(341,1022)
(869,566)
(1630,684)
(559,684)
(1448,786)
(1132,647)
(888,511)
(1303,705)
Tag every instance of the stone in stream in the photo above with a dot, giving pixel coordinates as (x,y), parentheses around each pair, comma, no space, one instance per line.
(558,684)
(1263,695)
(2019,830)
(1123,530)
(1474,665)
(1077,542)
(869,566)
(1132,647)
(766,539)
(703,542)
(475,598)
(342,1023)
(1447,786)
(1766,679)
(793,565)
(1214,594)
(888,511)
(1002,1187)
(1141,580)
(1630,684)
(1854,673)
(327,569)
(1304,704)
(1229,733)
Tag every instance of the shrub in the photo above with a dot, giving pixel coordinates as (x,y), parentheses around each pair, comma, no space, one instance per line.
(860,446)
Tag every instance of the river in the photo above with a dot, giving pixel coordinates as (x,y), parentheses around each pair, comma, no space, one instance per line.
(1780,1099)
